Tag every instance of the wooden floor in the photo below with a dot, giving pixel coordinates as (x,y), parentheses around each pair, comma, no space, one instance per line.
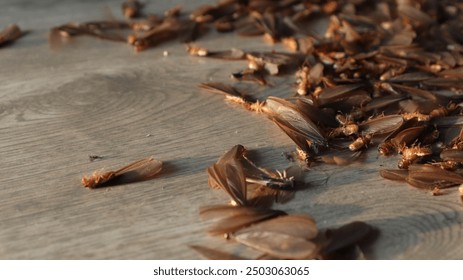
(99,98)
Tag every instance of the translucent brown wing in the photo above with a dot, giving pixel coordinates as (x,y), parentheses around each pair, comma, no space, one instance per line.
(141,170)
(233,218)
(286,237)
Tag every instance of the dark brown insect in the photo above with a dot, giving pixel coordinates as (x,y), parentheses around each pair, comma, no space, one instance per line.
(10,34)
(141,170)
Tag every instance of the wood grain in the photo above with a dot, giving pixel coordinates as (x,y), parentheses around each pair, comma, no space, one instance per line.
(96,97)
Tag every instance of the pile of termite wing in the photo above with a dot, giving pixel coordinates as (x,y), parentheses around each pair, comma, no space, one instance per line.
(250,221)
(385,74)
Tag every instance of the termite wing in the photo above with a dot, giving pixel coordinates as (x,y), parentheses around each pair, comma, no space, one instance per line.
(284,237)
(141,170)
(298,126)
(233,95)
(240,178)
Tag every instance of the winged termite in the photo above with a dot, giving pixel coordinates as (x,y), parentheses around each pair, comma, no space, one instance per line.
(214,254)
(131,8)
(308,77)
(401,140)
(232,54)
(286,180)
(252,75)
(413,154)
(228,174)
(233,218)
(347,128)
(10,34)
(169,29)
(234,95)
(286,237)
(99,29)
(269,25)
(210,13)
(141,170)
(273,63)
(361,142)
(296,125)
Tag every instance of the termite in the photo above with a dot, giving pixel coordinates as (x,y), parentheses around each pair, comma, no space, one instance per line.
(411,155)
(141,170)
(234,95)
(361,142)
(348,127)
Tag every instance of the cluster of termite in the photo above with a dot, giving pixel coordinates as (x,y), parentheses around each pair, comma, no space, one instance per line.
(249,219)
(386,74)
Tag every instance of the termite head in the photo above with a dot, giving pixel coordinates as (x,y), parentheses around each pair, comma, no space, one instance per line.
(351,129)
(302,155)
(360,142)
(96,179)
(386,148)
(132,39)
(196,51)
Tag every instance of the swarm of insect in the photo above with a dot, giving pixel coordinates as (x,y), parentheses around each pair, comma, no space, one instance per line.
(140,170)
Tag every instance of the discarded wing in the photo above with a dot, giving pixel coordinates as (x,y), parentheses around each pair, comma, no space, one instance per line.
(233,218)
(285,237)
